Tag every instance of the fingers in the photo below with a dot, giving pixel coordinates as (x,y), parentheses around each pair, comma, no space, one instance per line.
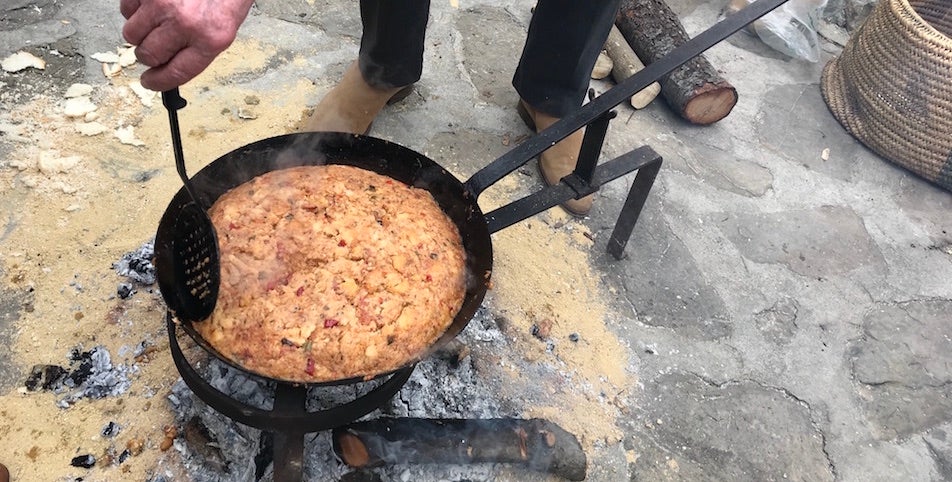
(174,59)
(128,7)
(139,24)
(160,45)
(184,66)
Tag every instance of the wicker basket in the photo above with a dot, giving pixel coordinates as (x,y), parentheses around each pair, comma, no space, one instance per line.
(891,87)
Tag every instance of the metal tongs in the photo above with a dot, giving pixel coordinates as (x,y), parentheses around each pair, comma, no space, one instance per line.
(194,252)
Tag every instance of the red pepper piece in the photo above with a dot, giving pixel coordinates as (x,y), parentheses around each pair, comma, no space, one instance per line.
(330,322)
(309,368)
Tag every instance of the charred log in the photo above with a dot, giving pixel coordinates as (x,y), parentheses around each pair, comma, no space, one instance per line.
(537,444)
(695,90)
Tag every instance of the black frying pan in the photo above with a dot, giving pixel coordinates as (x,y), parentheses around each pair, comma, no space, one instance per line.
(314,148)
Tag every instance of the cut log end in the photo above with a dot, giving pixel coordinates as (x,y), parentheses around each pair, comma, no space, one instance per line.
(710,104)
(696,90)
(352,450)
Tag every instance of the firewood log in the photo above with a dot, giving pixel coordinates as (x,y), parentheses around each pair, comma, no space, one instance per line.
(603,66)
(537,444)
(625,64)
(695,90)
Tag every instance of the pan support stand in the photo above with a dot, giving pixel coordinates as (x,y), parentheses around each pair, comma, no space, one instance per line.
(288,420)
(288,451)
(586,179)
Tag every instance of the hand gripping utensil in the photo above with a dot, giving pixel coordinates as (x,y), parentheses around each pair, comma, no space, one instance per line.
(192,289)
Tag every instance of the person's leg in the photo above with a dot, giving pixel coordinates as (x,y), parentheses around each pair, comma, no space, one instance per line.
(391,57)
(391,47)
(563,43)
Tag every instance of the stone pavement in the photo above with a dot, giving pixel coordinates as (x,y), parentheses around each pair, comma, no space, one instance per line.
(788,316)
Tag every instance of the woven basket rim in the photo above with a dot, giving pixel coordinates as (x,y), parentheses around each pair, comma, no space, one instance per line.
(907,14)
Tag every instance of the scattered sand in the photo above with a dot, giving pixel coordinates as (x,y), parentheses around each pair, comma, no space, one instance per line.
(81,203)
(542,277)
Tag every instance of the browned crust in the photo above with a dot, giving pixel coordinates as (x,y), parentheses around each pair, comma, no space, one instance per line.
(332,272)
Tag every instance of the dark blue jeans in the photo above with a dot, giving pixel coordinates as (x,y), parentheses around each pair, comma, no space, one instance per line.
(564,39)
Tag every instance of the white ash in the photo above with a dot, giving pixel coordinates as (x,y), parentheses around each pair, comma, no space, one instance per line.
(104,379)
(236,444)
(137,265)
(437,389)
(140,348)
(442,386)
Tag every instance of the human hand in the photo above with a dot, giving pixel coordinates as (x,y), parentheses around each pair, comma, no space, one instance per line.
(178,39)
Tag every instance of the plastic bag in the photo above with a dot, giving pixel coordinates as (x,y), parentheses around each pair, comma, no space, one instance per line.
(791,28)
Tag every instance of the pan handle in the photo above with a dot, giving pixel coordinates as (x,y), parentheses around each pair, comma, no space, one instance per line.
(653,72)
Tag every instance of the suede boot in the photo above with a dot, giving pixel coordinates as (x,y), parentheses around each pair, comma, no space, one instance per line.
(559,160)
(352,104)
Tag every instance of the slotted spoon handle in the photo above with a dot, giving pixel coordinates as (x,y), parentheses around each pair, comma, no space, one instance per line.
(173,101)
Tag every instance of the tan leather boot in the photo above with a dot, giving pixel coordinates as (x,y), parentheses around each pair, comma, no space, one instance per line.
(559,160)
(352,104)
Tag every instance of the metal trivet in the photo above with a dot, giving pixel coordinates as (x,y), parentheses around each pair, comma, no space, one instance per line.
(288,420)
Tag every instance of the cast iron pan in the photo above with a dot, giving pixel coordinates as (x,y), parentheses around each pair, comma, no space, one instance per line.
(314,148)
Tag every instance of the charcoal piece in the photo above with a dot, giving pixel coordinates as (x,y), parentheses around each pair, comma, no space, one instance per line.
(110,430)
(145,176)
(573,337)
(361,476)
(542,329)
(46,377)
(265,454)
(124,291)
(82,372)
(124,455)
(453,353)
(137,265)
(84,461)
(204,445)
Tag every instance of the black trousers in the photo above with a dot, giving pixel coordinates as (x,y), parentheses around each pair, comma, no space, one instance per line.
(564,39)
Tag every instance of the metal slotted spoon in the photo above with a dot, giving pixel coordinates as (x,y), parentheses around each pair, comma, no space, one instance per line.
(190,286)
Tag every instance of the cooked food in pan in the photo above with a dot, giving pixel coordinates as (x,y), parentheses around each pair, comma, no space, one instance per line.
(332,272)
